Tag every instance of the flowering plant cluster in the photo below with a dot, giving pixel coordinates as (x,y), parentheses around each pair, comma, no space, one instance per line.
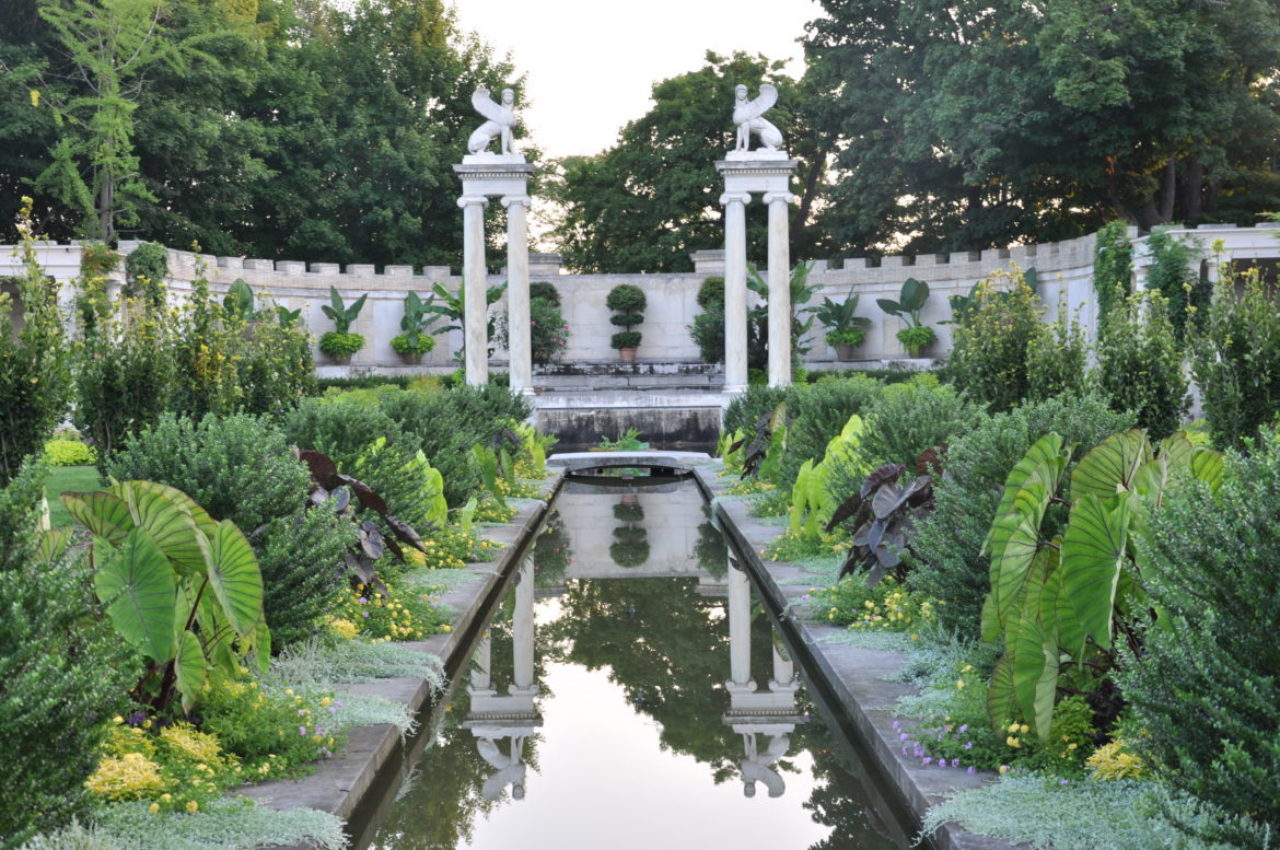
(888,606)
(383,615)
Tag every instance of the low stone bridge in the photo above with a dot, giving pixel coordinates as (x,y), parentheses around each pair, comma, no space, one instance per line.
(675,463)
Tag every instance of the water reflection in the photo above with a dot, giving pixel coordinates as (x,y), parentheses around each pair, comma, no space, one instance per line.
(631,707)
(509,717)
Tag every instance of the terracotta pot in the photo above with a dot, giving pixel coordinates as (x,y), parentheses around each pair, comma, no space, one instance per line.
(845,352)
(627,355)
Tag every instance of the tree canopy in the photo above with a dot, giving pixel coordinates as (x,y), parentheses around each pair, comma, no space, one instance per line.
(271,128)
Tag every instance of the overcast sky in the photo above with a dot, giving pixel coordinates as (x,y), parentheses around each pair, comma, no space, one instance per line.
(592,63)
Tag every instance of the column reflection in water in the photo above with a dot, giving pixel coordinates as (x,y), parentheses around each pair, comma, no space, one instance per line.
(765,718)
(511,717)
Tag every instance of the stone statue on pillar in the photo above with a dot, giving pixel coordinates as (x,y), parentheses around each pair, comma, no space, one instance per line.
(748,115)
(500,119)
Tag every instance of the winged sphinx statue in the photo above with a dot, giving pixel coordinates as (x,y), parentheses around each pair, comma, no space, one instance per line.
(747,114)
(499,119)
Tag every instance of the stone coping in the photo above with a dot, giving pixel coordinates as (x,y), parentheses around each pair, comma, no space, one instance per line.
(859,678)
(373,757)
(577,461)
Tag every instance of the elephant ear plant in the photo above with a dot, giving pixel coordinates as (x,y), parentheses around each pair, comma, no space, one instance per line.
(1066,566)
(844,329)
(342,343)
(911,300)
(183,590)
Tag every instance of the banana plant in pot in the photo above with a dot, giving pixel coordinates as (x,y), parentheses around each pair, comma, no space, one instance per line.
(915,337)
(341,343)
(416,339)
(845,331)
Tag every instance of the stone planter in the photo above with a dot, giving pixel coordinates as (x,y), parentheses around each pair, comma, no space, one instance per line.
(627,355)
(845,353)
(411,359)
(339,359)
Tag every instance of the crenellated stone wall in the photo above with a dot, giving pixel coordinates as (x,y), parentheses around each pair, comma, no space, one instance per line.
(1065,273)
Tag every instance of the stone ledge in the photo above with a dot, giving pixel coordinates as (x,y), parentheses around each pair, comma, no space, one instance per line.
(858,677)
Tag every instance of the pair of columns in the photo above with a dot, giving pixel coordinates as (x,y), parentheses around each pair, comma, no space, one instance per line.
(505,177)
(767,173)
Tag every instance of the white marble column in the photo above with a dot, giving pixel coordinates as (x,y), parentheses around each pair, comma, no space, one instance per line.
(739,630)
(522,632)
(735,290)
(519,342)
(784,671)
(475,283)
(779,289)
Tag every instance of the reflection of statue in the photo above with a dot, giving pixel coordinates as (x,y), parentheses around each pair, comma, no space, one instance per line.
(501,118)
(747,115)
(757,767)
(510,769)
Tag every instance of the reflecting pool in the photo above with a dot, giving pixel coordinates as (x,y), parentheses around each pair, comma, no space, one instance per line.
(631,693)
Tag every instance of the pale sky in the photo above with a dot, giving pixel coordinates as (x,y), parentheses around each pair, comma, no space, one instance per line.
(591,64)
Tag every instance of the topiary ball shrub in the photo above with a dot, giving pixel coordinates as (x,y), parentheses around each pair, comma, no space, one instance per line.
(545,291)
(711,294)
(629,554)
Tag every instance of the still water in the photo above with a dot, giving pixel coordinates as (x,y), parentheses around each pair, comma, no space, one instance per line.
(631,693)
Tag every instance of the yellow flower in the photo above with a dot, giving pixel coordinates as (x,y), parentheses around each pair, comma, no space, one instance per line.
(192,805)
(959,684)
(1024,728)
(1013,727)
(1012,741)
(1004,768)
(35,98)
(153,808)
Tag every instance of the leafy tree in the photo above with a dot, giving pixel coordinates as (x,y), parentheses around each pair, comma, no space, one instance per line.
(969,124)
(653,198)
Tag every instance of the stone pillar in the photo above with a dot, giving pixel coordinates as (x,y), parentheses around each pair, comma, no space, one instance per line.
(784,671)
(475,284)
(519,343)
(522,632)
(739,630)
(779,289)
(735,290)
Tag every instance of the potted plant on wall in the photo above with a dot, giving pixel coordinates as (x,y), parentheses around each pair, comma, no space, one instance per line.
(416,324)
(845,331)
(340,343)
(627,301)
(915,337)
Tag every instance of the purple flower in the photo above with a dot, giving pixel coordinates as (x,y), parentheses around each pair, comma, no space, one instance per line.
(302,730)
(363,600)
(338,703)
(302,712)
(971,769)
(927,760)
(1064,781)
(955,762)
(906,751)
(964,727)
(968,745)
(903,736)
(897,726)
(364,614)
(919,752)
(333,710)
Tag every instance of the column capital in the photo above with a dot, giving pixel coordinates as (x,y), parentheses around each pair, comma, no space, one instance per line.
(473,200)
(727,198)
(520,200)
(785,197)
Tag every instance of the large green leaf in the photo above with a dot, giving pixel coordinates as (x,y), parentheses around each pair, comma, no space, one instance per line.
(991,628)
(235,578)
(1017,540)
(1112,466)
(1208,466)
(1093,553)
(1040,462)
(1000,697)
(163,512)
(191,669)
(1054,596)
(51,545)
(1035,676)
(136,583)
(104,514)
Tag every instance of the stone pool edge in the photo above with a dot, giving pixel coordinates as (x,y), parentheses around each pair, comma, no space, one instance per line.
(860,678)
(342,785)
